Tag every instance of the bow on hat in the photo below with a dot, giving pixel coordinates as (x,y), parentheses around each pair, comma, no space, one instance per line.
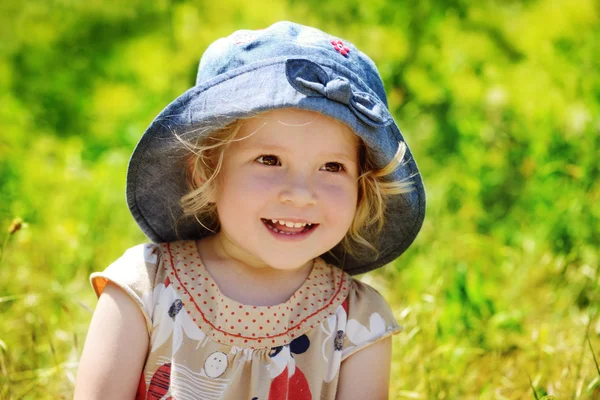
(312,80)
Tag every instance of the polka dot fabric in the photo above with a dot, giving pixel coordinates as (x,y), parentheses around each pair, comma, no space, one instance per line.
(247,326)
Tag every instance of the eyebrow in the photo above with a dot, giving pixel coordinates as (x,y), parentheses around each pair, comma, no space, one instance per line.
(267,148)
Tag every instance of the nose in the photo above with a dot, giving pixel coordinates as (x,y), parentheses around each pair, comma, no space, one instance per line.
(298,191)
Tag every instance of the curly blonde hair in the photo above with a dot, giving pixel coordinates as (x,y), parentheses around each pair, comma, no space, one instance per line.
(374,187)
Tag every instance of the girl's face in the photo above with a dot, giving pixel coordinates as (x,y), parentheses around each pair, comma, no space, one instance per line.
(287,191)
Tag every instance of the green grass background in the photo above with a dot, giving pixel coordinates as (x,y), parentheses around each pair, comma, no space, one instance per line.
(499,101)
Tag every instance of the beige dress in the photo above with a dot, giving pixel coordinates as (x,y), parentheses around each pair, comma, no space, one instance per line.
(204,345)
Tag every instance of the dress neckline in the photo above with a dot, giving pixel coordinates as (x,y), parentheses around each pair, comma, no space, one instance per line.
(230,322)
(202,266)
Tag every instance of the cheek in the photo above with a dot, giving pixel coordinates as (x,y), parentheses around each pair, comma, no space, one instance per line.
(252,185)
(246,189)
(341,201)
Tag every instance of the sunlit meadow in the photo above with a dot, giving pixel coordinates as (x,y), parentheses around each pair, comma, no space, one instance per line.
(499,101)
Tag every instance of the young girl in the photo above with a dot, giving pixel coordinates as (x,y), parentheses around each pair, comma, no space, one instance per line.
(264,188)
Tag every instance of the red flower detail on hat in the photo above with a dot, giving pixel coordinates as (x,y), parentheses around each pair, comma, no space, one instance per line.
(338,45)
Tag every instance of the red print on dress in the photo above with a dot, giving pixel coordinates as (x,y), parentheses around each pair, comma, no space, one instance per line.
(293,387)
(291,383)
(141,391)
(160,382)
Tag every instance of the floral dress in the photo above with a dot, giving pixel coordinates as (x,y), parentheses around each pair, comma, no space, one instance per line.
(204,345)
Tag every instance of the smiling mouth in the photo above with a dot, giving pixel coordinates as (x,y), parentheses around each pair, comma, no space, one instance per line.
(288,228)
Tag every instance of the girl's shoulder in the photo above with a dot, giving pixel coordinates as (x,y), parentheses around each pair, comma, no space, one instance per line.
(369,318)
(141,267)
(136,266)
(365,298)
(136,272)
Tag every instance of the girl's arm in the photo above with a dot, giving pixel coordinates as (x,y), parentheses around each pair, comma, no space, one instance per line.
(366,373)
(115,349)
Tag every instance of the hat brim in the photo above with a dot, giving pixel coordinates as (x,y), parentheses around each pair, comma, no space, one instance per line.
(156,177)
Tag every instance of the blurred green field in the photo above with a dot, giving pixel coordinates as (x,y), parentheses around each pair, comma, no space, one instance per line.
(499,100)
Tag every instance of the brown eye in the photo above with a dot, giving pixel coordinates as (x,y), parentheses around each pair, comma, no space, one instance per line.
(333,167)
(269,160)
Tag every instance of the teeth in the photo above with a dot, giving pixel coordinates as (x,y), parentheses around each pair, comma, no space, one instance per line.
(290,224)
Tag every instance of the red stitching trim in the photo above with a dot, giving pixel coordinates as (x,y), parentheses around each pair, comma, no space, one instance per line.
(237,335)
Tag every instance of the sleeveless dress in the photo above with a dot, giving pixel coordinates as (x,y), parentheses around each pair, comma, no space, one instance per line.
(204,345)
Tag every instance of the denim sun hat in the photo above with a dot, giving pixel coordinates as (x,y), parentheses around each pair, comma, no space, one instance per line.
(286,65)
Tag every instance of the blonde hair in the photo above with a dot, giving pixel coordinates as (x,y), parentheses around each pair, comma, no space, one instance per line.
(374,186)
